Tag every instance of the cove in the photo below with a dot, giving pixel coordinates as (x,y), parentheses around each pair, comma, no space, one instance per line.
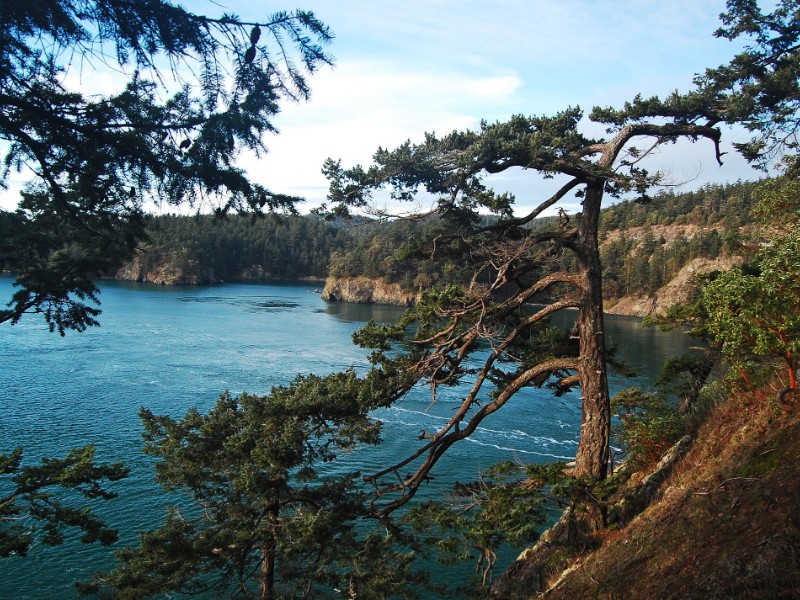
(170,348)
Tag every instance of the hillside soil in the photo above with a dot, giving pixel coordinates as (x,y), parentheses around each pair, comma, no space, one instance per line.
(725,523)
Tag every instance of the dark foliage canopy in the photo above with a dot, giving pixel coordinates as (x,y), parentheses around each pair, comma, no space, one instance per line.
(258,515)
(759,88)
(194,91)
(197,90)
(208,249)
(34,507)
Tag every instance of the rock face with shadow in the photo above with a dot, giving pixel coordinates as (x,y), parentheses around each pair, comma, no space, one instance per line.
(363,290)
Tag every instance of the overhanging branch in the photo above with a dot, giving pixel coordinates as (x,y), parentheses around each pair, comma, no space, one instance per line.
(434,449)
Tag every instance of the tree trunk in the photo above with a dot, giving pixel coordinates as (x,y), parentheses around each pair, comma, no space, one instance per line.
(268,558)
(709,362)
(593,455)
(267,571)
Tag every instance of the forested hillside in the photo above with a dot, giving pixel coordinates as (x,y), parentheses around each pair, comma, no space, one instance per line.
(644,245)
(207,249)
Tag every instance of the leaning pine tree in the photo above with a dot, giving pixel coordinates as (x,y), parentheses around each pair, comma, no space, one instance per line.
(515,265)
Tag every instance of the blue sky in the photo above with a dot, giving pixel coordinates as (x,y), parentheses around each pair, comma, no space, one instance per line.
(404,68)
(407,67)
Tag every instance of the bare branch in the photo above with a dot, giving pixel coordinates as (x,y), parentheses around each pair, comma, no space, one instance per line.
(451,434)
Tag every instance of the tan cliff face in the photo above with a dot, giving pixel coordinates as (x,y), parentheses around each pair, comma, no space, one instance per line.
(167,273)
(681,286)
(363,290)
(674,292)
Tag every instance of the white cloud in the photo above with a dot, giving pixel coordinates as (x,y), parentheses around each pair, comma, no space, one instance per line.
(366,104)
(438,65)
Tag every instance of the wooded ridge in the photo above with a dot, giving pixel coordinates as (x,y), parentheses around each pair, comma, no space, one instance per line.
(650,250)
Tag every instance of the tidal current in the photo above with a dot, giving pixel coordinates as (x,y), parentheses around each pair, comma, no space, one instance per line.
(171,348)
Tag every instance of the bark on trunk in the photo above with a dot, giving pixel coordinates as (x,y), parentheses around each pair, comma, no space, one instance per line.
(267,572)
(593,455)
(709,362)
(268,559)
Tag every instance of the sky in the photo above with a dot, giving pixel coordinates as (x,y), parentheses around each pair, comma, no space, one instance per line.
(403,68)
(406,68)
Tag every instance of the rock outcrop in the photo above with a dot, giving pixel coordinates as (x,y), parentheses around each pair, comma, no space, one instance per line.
(167,273)
(674,292)
(363,290)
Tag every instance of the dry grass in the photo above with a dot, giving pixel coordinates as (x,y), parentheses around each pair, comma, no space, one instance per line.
(727,525)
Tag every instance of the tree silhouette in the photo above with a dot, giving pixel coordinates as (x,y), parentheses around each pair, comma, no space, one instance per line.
(198,90)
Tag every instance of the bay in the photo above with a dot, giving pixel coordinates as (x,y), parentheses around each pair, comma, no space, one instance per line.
(171,348)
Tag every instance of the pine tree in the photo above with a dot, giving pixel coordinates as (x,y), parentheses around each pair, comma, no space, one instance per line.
(258,515)
(199,89)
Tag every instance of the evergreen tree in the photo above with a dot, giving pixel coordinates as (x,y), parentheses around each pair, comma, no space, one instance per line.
(267,522)
(199,89)
(656,267)
(35,503)
(515,262)
(760,86)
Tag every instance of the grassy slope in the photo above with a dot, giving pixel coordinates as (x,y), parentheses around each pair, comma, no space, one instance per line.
(726,526)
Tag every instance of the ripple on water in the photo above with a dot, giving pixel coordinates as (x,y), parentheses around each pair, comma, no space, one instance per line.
(169,350)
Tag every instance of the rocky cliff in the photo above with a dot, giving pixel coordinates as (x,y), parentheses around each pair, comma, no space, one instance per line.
(363,290)
(169,273)
(674,292)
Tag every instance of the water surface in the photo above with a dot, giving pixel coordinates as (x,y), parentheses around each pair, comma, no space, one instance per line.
(170,348)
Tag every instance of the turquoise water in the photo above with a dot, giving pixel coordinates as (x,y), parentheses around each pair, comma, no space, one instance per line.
(168,349)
